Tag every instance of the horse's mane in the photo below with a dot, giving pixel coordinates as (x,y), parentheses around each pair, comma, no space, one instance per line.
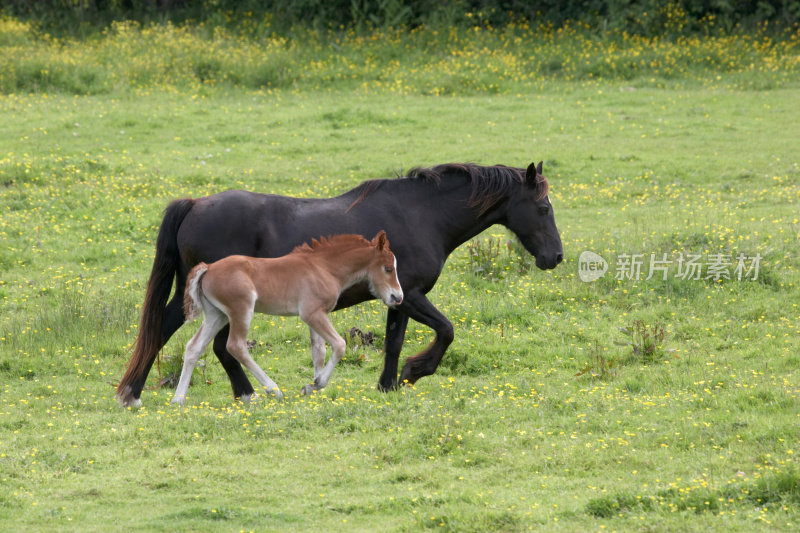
(331,241)
(489,184)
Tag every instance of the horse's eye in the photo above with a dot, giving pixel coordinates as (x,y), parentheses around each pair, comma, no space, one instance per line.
(388,270)
(544,210)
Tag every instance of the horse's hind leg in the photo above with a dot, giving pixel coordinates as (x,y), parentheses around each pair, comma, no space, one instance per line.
(320,323)
(237,346)
(173,319)
(213,321)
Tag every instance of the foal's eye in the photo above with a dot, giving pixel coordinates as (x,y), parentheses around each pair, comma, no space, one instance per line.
(544,210)
(388,270)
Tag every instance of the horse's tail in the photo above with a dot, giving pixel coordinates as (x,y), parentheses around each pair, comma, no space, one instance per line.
(193,297)
(150,337)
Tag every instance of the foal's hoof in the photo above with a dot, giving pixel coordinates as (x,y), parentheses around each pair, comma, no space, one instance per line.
(309,389)
(276,393)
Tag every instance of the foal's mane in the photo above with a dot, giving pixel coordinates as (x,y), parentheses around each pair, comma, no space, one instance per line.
(489,184)
(335,241)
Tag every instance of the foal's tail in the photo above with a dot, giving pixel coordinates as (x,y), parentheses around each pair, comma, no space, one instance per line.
(150,338)
(193,297)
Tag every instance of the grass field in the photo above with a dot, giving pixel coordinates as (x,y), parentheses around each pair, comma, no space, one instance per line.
(545,414)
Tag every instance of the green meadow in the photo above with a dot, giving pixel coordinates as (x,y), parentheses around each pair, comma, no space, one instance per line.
(662,396)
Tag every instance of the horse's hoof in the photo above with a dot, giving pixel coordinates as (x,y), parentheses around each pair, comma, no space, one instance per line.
(247,398)
(277,394)
(384,388)
(405,377)
(127,399)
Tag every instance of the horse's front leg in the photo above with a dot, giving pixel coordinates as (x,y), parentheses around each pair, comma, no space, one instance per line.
(242,388)
(396,324)
(425,363)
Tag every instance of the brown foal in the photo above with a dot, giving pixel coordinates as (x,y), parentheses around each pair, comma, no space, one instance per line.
(306,283)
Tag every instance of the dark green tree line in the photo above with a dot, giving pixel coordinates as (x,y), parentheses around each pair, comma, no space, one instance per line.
(634,16)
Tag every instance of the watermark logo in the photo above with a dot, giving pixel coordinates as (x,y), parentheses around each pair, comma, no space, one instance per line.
(591,266)
(636,267)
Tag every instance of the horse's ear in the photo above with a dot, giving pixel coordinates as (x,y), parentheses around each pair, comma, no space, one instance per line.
(530,174)
(380,241)
(539,168)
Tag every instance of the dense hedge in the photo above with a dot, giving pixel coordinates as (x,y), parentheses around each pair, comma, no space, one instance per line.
(643,17)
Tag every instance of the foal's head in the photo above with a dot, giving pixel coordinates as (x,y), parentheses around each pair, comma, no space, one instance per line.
(382,272)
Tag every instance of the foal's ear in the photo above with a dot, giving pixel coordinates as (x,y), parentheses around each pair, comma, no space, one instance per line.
(380,241)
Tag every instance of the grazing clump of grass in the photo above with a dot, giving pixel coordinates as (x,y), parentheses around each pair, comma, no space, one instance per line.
(359,344)
(485,258)
(169,367)
(599,365)
(646,342)
(495,258)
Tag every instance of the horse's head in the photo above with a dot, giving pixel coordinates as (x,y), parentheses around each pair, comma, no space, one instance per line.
(530,217)
(382,272)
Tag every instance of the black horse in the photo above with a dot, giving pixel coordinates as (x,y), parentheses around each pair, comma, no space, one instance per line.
(426,215)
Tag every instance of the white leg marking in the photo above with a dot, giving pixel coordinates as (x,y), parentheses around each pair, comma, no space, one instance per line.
(317,351)
(213,321)
(237,346)
(320,323)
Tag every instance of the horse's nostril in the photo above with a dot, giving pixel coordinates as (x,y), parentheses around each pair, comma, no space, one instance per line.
(559,258)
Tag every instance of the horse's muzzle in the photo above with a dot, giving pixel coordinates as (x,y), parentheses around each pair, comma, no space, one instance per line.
(547,263)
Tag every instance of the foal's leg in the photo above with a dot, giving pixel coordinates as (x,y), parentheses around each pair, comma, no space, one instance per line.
(237,346)
(317,351)
(213,321)
(242,389)
(320,323)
